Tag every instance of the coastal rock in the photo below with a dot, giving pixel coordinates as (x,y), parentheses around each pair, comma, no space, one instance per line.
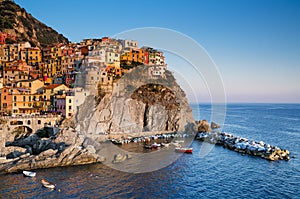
(136,104)
(52,153)
(203,126)
(214,125)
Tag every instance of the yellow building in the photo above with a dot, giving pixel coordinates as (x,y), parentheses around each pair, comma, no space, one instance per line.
(53,61)
(11,52)
(11,76)
(24,100)
(132,56)
(32,55)
(49,94)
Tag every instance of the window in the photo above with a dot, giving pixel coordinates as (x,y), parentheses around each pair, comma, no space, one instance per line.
(4,97)
(15,98)
(70,107)
(70,101)
(29,84)
(24,99)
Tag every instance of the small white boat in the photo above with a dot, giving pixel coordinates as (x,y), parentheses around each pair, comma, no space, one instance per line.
(48,184)
(29,173)
(165,144)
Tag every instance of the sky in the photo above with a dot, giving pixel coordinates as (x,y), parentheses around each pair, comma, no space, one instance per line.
(254,44)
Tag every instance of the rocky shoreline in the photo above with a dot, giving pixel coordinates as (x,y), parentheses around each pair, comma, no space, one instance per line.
(240,144)
(67,148)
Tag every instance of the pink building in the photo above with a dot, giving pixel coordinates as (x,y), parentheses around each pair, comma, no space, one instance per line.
(60,104)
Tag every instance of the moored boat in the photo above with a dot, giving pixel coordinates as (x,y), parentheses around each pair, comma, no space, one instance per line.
(29,173)
(155,145)
(165,144)
(147,146)
(48,184)
(184,150)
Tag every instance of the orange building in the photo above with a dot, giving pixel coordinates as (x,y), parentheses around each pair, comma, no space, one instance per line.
(132,56)
(6,100)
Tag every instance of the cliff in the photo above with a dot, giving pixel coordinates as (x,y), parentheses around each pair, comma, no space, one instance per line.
(16,21)
(138,103)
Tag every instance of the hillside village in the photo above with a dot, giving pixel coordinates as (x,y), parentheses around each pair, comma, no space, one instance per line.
(56,79)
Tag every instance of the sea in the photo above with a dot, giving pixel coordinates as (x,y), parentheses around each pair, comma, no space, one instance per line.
(220,173)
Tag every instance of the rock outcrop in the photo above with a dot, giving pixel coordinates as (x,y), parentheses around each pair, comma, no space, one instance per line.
(203,126)
(33,152)
(138,103)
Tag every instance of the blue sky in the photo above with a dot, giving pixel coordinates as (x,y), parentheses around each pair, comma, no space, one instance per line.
(255,44)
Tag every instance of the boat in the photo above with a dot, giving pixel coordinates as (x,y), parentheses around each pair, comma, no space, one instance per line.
(179,141)
(165,144)
(184,150)
(29,173)
(155,145)
(117,142)
(147,146)
(48,184)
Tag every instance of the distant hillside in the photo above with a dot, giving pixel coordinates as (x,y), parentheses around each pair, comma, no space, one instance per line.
(15,20)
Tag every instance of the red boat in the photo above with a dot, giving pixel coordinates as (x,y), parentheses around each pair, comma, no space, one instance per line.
(184,150)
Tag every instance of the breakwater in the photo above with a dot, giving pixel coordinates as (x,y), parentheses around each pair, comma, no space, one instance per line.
(244,146)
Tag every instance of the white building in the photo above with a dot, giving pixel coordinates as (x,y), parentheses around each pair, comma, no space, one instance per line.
(127,44)
(157,71)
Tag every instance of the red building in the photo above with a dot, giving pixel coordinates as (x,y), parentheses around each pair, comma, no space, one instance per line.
(4,36)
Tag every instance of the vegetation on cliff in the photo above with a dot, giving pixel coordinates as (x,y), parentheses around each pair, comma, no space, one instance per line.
(15,20)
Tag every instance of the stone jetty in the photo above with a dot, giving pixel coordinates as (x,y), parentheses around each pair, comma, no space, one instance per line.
(244,146)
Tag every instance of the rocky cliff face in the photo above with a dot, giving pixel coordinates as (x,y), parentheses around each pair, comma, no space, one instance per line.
(15,20)
(139,103)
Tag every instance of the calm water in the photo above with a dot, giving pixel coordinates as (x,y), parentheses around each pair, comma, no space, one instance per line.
(219,174)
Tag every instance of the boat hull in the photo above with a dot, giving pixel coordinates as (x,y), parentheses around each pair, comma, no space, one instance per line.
(184,150)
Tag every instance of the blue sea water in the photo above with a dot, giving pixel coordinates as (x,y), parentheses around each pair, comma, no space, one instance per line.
(221,173)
